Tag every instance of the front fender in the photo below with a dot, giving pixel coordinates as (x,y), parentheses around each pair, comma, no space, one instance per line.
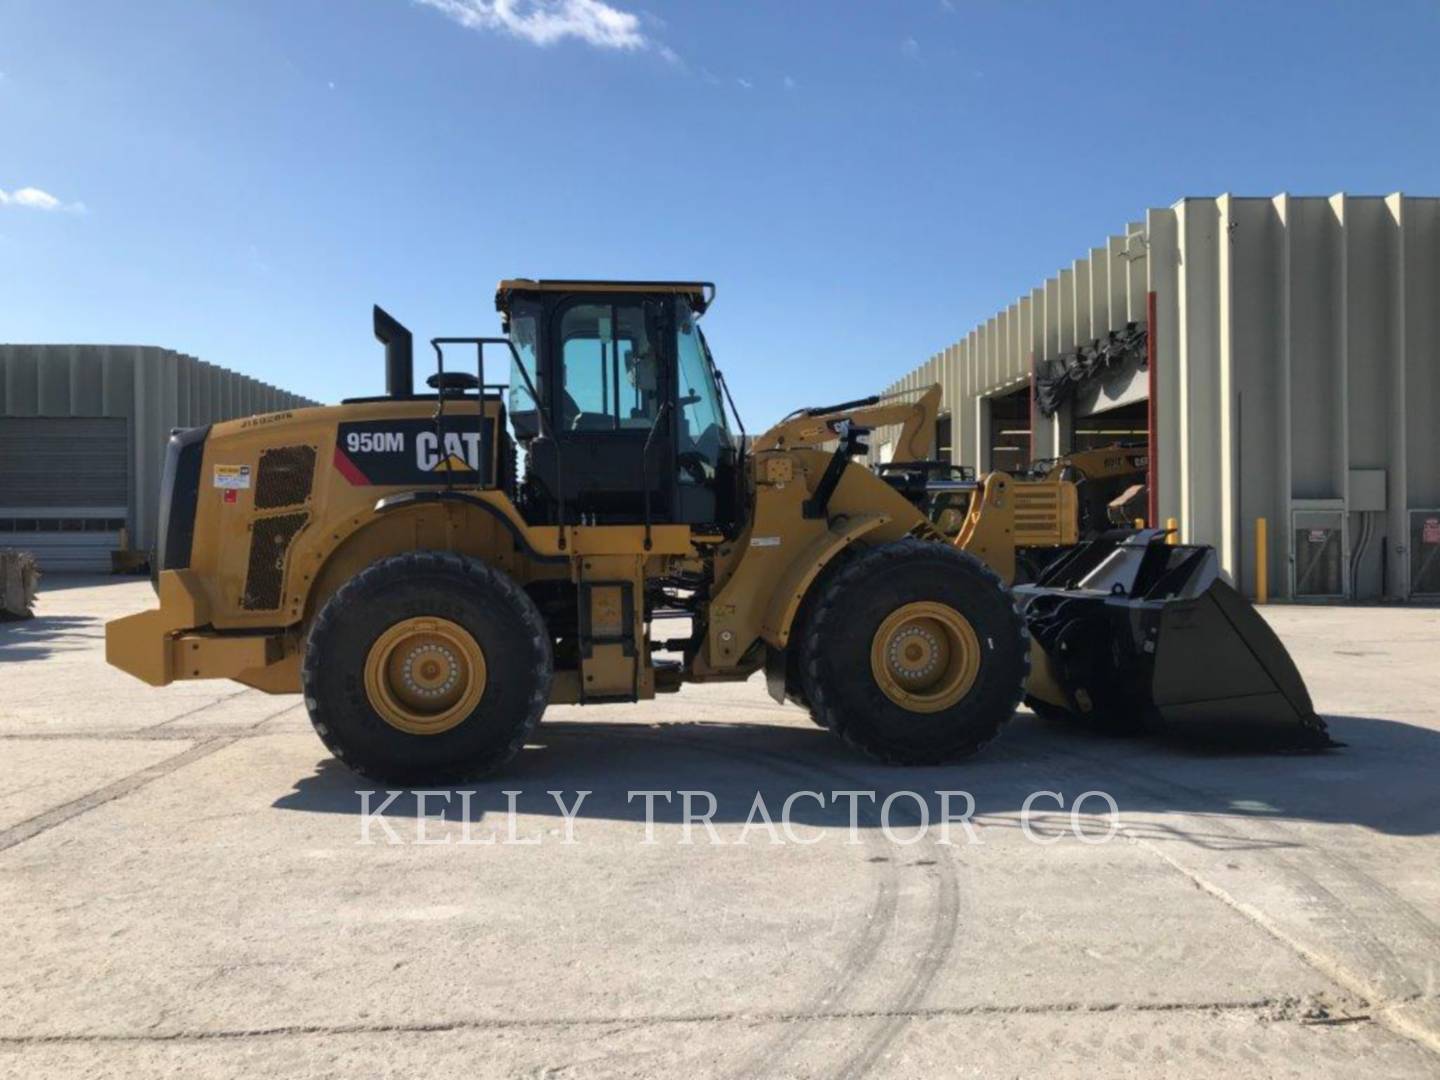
(785,602)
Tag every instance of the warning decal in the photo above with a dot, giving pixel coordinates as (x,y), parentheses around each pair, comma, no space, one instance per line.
(232,477)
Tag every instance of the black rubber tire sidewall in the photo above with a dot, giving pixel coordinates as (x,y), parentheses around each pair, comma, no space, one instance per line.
(840,683)
(486,602)
(795,691)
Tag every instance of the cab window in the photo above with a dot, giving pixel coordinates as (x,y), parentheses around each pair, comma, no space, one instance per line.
(703,431)
(524,326)
(610,368)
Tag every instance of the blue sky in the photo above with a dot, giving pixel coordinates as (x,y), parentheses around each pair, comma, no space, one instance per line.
(241,180)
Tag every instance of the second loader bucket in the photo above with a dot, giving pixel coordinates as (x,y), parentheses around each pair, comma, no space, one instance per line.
(1136,634)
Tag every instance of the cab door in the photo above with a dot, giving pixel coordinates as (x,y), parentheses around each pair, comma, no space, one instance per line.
(612,410)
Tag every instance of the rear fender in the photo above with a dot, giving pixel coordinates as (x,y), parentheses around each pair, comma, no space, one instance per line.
(396,527)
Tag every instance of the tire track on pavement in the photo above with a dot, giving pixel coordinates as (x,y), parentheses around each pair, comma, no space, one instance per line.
(49,819)
(865,943)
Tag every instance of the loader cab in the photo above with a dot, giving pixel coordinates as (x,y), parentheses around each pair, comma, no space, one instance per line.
(626,420)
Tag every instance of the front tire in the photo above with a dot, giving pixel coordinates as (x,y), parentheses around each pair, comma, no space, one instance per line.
(427,668)
(795,691)
(915,654)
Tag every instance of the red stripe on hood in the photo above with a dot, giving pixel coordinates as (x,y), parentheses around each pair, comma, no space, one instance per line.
(349,469)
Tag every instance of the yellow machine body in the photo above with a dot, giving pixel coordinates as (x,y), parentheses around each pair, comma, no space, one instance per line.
(387,558)
(259,573)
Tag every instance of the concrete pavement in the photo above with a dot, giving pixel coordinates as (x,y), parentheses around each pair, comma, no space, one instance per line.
(187,892)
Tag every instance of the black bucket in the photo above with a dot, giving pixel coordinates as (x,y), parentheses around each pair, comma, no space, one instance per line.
(1141,635)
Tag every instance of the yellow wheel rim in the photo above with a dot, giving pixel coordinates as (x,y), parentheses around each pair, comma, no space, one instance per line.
(925,656)
(425,675)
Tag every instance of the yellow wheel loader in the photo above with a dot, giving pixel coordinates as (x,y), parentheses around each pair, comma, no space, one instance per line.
(1110,483)
(389,559)
(1075,497)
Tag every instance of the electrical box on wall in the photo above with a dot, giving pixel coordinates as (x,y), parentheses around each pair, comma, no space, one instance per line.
(1366,491)
(1318,554)
(1425,553)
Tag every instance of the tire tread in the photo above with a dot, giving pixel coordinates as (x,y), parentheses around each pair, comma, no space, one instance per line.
(853,576)
(486,580)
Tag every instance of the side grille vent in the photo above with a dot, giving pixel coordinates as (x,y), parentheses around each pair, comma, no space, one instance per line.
(285,476)
(270,541)
(1045,513)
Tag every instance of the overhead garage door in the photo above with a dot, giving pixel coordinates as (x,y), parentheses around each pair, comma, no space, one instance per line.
(64,488)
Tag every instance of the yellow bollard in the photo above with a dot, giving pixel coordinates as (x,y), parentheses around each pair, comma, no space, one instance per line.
(1139,523)
(1174,535)
(1262,562)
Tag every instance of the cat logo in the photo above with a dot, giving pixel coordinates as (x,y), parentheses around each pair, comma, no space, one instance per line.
(409,451)
(461,451)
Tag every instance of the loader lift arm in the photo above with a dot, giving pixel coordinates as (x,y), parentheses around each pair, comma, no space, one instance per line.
(812,427)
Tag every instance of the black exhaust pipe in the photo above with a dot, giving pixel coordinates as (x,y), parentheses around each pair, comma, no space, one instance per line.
(399,354)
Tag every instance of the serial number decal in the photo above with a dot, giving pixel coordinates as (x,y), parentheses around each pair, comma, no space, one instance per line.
(268,418)
(398,452)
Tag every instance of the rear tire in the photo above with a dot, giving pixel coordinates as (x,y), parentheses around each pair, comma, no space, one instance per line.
(868,647)
(467,626)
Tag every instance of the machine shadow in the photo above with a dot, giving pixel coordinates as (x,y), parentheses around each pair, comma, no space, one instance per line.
(61,581)
(41,636)
(1383,780)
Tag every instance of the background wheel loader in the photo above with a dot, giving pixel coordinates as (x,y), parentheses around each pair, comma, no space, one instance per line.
(387,557)
(1077,496)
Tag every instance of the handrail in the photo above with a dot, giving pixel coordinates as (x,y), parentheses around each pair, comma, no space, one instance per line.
(645,467)
(438,345)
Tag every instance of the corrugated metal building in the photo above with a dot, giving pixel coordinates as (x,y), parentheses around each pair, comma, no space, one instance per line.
(1288,369)
(82,441)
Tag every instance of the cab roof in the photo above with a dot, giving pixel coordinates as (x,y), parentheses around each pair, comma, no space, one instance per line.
(701,294)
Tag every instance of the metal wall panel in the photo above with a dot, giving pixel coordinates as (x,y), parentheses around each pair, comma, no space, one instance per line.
(62,462)
(151,389)
(1297,341)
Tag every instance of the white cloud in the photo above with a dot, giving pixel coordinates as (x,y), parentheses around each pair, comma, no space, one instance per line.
(745,84)
(547,22)
(33,198)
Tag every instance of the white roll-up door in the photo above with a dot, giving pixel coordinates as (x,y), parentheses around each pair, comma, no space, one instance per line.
(64,488)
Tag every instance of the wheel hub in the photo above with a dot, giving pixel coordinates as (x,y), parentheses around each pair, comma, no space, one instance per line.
(423,676)
(925,656)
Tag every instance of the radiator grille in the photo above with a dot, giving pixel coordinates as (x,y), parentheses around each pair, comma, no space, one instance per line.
(1045,513)
(286,473)
(270,541)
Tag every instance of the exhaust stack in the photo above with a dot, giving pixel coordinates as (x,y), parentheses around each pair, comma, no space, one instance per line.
(399,354)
